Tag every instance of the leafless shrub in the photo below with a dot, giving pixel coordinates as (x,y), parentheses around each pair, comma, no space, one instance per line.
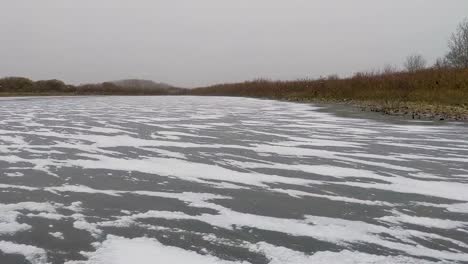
(415,62)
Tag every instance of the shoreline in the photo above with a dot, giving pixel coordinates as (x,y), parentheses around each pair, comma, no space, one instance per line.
(406,110)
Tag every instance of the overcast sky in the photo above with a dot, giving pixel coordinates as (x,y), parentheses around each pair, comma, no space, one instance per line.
(199,42)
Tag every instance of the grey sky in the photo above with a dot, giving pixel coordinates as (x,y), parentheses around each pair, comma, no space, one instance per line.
(199,42)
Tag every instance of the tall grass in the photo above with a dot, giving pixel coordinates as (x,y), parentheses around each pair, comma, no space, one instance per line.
(430,86)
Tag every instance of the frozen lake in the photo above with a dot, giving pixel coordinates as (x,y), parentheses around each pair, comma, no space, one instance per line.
(91,180)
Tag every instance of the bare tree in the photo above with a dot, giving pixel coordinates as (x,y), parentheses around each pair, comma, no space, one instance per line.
(441,63)
(415,62)
(458,45)
(333,77)
(389,69)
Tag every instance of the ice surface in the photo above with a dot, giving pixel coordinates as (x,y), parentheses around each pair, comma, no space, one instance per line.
(226,180)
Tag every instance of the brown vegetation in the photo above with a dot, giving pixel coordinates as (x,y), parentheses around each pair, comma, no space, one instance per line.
(433,92)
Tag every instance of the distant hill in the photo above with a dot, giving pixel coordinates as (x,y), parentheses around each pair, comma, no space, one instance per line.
(147,85)
(11,86)
(138,83)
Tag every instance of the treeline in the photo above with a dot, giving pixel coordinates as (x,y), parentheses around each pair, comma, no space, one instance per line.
(448,86)
(19,85)
(24,86)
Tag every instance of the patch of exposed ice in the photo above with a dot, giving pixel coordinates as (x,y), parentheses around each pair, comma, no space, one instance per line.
(443,189)
(456,208)
(450,190)
(37,164)
(195,126)
(423,221)
(320,143)
(182,134)
(325,170)
(185,170)
(296,193)
(425,157)
(165,153)
(80,189)
(325,154)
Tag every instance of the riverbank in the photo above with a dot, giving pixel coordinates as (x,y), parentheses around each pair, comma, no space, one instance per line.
(437,94)
(408,110)
(418,110)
